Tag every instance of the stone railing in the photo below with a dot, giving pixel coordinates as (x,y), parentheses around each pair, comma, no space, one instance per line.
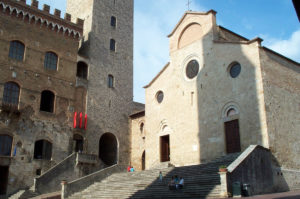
(50,180)
(79,184)
(253,167)
(86,158)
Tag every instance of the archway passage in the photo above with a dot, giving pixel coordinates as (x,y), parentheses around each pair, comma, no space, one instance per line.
(232,133)
(4,179)
(78,140)
(108,149)
(144,161)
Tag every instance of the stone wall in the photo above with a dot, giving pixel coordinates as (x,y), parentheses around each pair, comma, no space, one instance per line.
(108,108)
(281,82)
(28,124)
(193,111)
(138,139)
(252,167)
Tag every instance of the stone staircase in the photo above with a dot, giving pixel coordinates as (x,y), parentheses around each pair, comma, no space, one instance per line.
(201,181)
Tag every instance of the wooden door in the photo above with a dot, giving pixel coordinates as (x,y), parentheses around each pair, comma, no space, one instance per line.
(164,148)
(3,179)
(232,133)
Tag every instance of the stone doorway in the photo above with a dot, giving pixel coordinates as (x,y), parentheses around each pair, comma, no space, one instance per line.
(232,134)
(164,148)
(3,179)
(78,143)
(108,149)
(144,161)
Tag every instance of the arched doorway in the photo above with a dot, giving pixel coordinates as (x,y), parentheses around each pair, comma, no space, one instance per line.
(232,133)
(144,161)
(108,149)
(42,150)
(78,143)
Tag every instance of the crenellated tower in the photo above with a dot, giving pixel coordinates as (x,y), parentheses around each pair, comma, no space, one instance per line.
(107,49)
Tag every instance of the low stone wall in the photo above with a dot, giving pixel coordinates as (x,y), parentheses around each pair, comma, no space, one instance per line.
(286,179)
(50,180)
(79,184)
(253,167)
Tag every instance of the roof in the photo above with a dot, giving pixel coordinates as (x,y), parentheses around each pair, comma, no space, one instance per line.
(160,72)
(137,114)
(297,8)
(190,12)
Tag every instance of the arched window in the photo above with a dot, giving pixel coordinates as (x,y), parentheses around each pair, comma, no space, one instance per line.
(112,45)
(42,150)
(47,101)
(113,21)
(50,61)
(5,145)
(16,50)
(11,94)
(110,81)
(231,112)
(82,70)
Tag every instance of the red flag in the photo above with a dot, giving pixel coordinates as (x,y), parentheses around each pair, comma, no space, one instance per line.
(85,121)
(74,120)
(80,120)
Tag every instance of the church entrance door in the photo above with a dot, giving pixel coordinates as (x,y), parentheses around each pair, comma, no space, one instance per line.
(232,133)
(164,148)
(143,161)
(3,179)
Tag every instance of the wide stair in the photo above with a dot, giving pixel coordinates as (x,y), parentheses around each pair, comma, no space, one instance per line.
(201,181)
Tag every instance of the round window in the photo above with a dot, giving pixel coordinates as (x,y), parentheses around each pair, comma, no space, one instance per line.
(235,70)
(159,96)
(192,69)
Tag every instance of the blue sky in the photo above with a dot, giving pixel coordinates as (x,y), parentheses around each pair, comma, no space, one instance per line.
(275,21)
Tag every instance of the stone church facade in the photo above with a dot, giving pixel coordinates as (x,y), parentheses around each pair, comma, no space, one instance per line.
(66,85)
(219,94)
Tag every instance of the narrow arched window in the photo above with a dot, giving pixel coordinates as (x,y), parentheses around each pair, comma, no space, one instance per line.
(47,101)
(42,150)
(16,50)
(112,45)
(50,62)
(110,81)
(142,127)
(113,21)
(11,94)
(82,70)
(5,145)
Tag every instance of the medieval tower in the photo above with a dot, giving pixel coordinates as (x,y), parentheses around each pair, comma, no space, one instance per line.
(107,50)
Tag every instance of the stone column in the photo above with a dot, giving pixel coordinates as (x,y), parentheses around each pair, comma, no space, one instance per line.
(224,188)
(64,189)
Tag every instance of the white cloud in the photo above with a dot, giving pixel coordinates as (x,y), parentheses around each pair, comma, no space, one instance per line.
(289,47)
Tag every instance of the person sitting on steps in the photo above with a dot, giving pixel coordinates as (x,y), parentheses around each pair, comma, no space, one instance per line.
(180,184)
(172,184)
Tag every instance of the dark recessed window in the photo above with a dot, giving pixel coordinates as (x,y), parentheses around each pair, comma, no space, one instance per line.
(82,70)
(16,50)
(142,127)
(38,172)
(113,21)
(47,101)
(5,145)
(192,69)
(11,94)
(42,150)
(50,61)
(110,82)
(235,70)
(112,45)
(159,96)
